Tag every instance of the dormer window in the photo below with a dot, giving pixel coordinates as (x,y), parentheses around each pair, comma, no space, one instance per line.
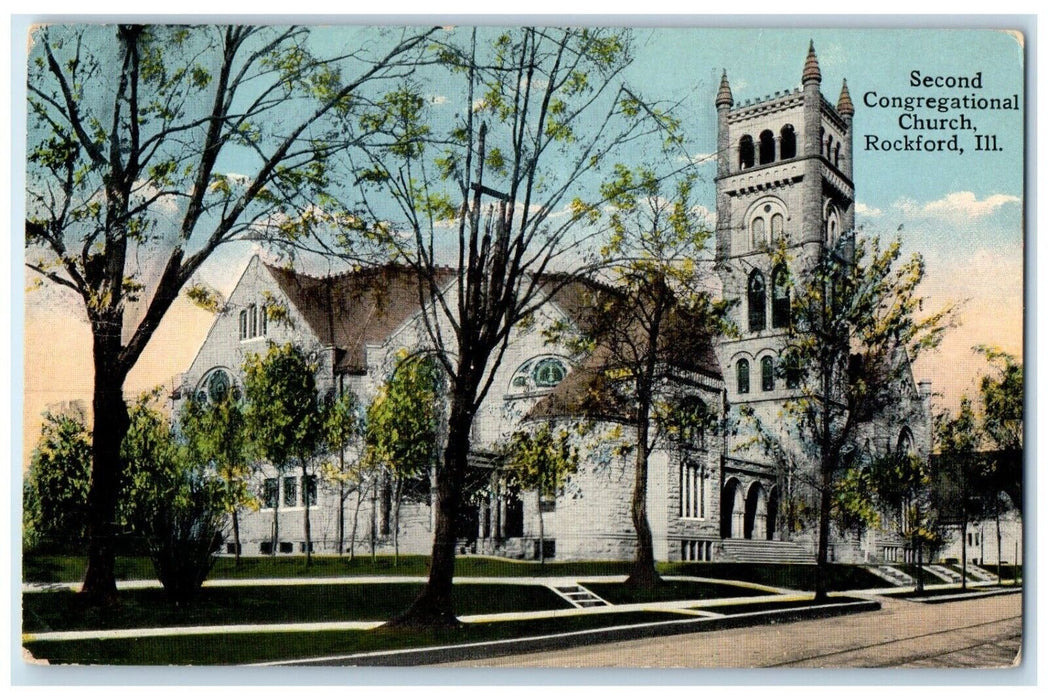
(538,374)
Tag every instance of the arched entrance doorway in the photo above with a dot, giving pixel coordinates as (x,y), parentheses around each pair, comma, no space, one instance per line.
(756,517)
(733,509)
(773,512)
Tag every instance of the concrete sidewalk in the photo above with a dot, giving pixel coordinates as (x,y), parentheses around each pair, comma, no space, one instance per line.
(685,607)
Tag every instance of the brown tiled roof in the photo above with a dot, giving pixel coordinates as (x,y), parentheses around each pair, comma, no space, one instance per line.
(354,309)
(588,391)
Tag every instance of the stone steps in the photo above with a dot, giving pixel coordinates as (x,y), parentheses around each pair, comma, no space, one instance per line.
(579,597)
(766,552)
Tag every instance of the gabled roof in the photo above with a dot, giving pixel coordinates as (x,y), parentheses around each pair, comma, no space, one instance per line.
(354,309)
(588,390)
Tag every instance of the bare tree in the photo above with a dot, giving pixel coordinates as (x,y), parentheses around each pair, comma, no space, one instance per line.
(543,115)
(151,146)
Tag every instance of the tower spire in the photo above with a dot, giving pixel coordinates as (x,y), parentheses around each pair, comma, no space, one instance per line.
(844,104)
(811,67)
(724,96)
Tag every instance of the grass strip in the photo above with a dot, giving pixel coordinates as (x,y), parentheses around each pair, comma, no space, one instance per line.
(62,611)
(736,608)
(245,648)
(620,594)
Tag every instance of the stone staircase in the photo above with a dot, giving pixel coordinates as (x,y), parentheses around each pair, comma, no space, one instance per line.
(945,573)
(765,552)
(578,596)
(976,573)
(892,575)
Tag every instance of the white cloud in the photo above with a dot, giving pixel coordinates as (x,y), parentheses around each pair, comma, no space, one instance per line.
(955,206)
(966,205)
(700,158)
(863,210)
(437,99)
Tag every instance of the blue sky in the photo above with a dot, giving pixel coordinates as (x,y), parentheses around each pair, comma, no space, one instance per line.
(963,213)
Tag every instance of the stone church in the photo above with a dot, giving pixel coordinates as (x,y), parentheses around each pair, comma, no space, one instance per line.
(784,176)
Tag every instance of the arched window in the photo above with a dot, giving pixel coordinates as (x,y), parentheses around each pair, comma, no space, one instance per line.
(829,146)
(758,235)
(837,155)
(745,152)
(538,374)
(742,376)
(767,374)
(791,368)
(780,297)
(216,386)
(777,223)
(787,142)
(757,298)
(767,147)
(905,445)
(689,418)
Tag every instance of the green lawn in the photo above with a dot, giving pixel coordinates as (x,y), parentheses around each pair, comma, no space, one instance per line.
(735,608)
(55,569)
(50,569)
(271,604)
(618,594)
(842,577)
(229,649)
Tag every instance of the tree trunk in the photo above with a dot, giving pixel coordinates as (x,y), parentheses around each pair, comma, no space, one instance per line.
(353,532)
(341,500)
(305,523)
(433,606)
(822,559)
(542,529)
(997,521)
(642,574)
(236,538)
(964,555)
(111,422)
(399,492)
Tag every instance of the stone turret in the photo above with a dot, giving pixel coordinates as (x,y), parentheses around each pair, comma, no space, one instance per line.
(811,79)
(724,102)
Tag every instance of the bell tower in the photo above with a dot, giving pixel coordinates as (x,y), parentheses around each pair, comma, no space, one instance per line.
(784,182)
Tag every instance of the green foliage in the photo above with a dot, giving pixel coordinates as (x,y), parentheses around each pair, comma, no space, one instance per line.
(283,416)
(1001,395)
(54,498)
(541,460)
(216,438)
(179,507)
(403,424)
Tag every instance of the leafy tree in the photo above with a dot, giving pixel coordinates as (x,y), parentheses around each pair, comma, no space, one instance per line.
(543,112)
(902,482)
(148,148)
(55,489)
(541,461)
(285,419)
(176,503)
(403,429)
(854,331)
(1002,395)
(656,318)
(216,437)
(342,429)
(962,473)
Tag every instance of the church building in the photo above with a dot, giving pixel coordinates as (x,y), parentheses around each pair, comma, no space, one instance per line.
(784,181)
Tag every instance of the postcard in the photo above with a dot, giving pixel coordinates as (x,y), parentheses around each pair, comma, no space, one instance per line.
(516,346)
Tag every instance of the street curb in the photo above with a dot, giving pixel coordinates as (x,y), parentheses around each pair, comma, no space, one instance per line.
(936,600)
(567,640)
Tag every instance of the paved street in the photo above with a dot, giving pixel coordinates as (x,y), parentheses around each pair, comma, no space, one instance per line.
(984,632)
